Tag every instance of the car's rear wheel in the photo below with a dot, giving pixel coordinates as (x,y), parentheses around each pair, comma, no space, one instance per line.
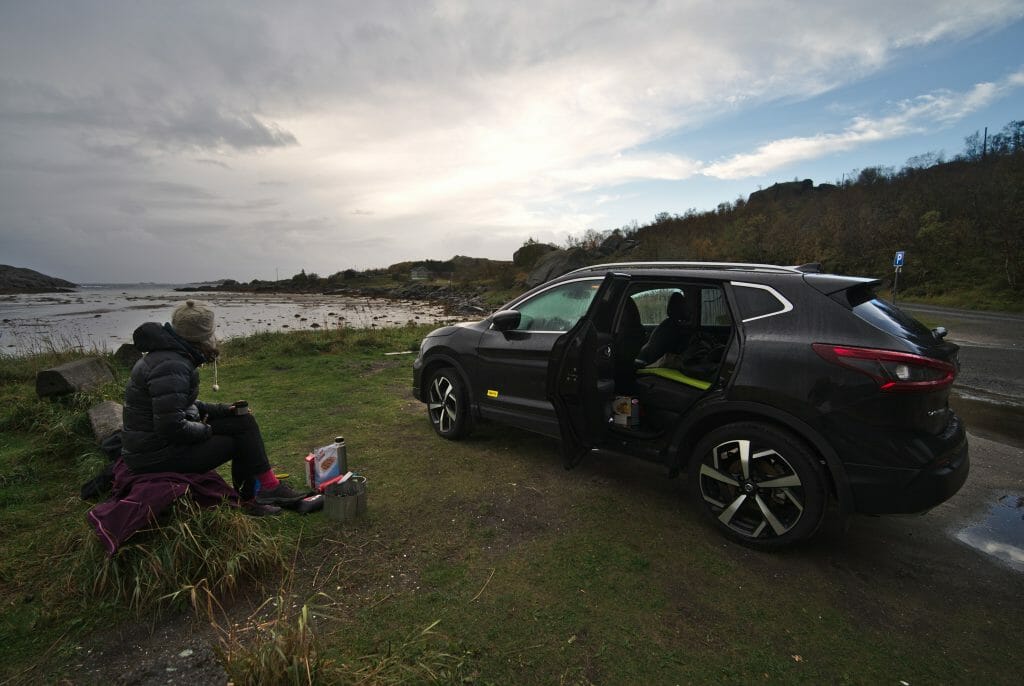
(447,404)
(760,485)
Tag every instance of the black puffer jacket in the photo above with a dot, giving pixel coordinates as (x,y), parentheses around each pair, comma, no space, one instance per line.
(162,417)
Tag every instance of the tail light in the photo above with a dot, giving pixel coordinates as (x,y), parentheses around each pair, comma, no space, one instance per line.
(893,371)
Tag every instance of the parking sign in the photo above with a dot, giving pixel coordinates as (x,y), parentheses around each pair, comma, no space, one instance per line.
(898,260)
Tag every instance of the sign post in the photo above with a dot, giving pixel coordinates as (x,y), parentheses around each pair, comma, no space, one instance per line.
(897,264)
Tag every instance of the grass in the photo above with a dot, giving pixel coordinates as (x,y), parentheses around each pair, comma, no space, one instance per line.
(217,547)
(481,561)
(975,299)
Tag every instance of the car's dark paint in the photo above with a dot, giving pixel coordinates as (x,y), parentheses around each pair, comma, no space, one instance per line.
(883,452)
(581,379)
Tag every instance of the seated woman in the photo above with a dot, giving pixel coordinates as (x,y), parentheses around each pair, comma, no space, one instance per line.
(167,429)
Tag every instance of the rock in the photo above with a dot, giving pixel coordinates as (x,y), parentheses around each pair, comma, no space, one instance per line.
(21,280)
(526,257)
(73,377)
(555,264)
(127,355)
(779,191)
(611,245)
(106,418)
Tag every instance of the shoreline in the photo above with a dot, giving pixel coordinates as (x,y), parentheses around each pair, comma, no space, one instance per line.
(101,319)
(460,300)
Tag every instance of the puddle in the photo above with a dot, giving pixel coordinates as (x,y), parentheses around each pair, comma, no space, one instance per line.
(1001,533)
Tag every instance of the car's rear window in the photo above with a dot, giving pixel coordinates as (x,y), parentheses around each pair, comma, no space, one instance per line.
(886,316)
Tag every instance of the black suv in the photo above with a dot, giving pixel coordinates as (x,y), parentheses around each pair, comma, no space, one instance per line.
(775,388)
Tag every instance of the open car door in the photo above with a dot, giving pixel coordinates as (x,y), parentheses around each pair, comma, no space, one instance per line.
(581,379)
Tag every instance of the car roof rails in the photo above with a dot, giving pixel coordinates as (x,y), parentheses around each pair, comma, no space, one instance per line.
(809,268)
(738,266)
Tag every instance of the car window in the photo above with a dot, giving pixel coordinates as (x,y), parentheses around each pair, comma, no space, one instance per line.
(757,302)
(653,305)
(893,320)
(714,310)
(558,308)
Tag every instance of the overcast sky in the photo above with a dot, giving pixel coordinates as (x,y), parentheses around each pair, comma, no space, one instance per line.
(183,141)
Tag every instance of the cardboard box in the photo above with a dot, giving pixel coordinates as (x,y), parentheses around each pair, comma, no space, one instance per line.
(626,410)
(322,465)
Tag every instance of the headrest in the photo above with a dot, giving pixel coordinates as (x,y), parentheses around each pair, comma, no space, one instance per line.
(677,307)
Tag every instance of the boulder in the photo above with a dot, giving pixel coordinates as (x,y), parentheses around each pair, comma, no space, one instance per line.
(611,245)
(616,245)
(73,377)
(127,355)
(526,257)
(106,418)
(555,264)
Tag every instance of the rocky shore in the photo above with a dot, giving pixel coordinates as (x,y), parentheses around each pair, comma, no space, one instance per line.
(457,300)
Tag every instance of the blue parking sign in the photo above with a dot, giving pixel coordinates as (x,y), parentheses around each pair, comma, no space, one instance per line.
(898,260)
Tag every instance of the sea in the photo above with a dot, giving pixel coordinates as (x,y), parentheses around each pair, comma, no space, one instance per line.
(101,317)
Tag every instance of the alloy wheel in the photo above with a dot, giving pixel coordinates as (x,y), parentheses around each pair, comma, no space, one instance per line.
(443,404)
(752,489)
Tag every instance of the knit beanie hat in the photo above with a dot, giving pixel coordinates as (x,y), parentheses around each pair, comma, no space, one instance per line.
(193,321)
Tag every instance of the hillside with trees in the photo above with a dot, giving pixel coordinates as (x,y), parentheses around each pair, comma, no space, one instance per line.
(961,223)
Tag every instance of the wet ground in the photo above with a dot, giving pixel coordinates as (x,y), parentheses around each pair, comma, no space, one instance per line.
(988,513)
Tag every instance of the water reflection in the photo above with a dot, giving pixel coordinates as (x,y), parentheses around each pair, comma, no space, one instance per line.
(1001,533)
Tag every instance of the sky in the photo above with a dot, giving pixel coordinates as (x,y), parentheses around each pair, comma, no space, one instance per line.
(188,141)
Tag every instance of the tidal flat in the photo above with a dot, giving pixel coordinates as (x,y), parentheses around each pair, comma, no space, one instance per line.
(102,317)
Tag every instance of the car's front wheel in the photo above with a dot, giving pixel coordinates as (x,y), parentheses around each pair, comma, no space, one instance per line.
(760,484)
(447,404)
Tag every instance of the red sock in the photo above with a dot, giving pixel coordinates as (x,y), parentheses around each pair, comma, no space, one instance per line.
(268,481)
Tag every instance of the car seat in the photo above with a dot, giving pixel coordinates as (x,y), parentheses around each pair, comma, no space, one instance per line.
(626,344)
(672,334)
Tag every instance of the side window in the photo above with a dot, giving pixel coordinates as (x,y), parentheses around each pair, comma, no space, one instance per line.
(558,308)
(756,301)
(714,311)
(653,305)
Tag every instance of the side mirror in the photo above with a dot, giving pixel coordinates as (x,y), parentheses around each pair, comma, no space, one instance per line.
(505,320)
(939,332)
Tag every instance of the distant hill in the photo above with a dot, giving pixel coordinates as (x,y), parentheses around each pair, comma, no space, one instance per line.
(21,280)
(960,224)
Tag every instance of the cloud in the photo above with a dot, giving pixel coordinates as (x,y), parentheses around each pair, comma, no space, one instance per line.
(118,124)
(364,133)
(202,125)
(918,115)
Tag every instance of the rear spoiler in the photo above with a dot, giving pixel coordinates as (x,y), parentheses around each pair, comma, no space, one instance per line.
(830,284)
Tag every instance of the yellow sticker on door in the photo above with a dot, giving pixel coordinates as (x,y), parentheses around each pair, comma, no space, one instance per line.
(492,393)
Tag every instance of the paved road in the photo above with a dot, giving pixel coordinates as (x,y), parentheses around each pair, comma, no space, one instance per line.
(991,351)
(989,392)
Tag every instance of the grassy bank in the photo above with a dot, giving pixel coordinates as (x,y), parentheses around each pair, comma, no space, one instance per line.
(478,562)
